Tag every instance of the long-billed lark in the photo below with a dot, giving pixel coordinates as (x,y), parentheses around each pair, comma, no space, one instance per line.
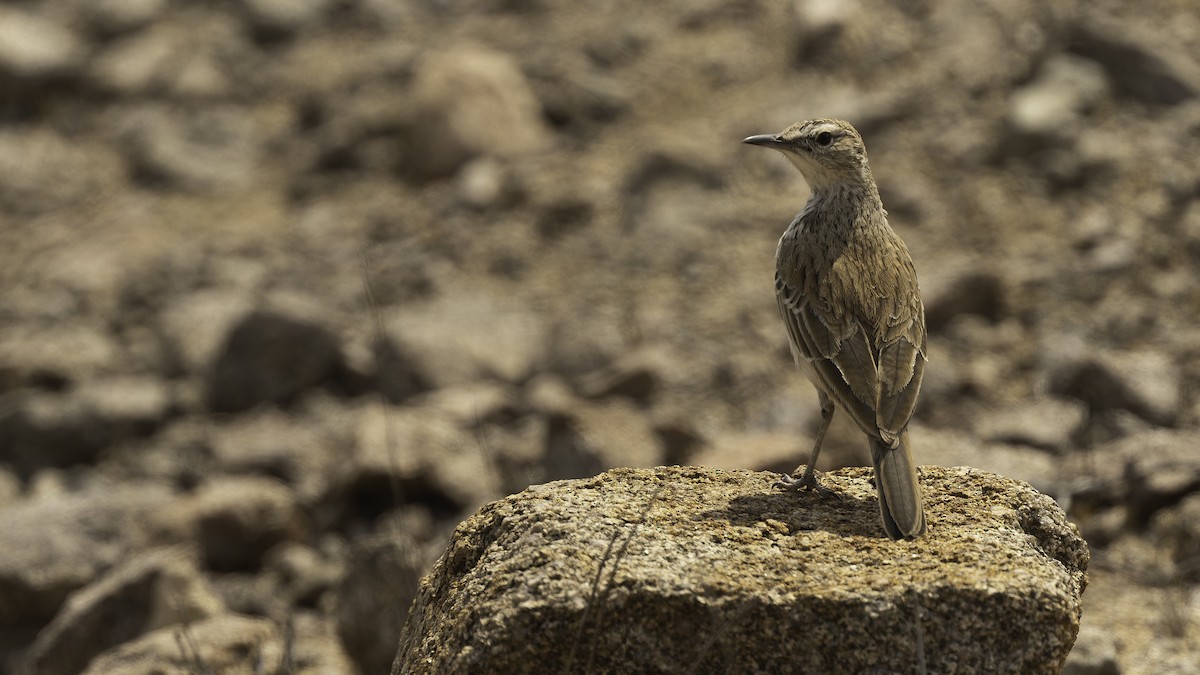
(847,290)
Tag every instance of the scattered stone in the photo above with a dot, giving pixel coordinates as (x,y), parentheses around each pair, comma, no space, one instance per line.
(475,403)
(680,439)
(665,568)
(576,99)
(549,394)
(967,290)
(518,450)
(1094,653)
(759,451)
(1138,63)
(35,49)
(10,486)
(419,454)
(54,359)
(486,182)
(315,648)
(234,521)
(1046,422)
(820,23)
(945,388)
(148,591)
(128,406)
(138,64)
(595,436)
(1100,529)
(52,546)
(582,344)
(564,216)
(274,19)
(40,430)
(637,375)
(1143,382)
(293,447)
(941,447)
(1177,530)
(229,643)
(472,101)
(41,171)
(1146,471)
(372,600)
(215,148)
(303,573)
(122,16)
(197,325)
(201,58)
(1048,108)
(271,357)
(253,593)
(446,341)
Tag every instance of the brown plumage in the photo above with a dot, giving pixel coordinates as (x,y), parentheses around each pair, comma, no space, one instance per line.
(847,292)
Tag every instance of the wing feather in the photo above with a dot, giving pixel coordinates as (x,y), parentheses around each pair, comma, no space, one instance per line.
(869,357)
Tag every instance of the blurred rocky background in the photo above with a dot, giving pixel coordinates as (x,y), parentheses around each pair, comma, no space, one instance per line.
(289,287)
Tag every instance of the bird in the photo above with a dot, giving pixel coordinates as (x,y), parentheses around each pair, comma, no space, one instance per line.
(847,290)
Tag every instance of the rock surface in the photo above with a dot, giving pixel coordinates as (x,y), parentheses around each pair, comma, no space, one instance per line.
(660,570)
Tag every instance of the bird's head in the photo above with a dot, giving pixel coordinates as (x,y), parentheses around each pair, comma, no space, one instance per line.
(826,151)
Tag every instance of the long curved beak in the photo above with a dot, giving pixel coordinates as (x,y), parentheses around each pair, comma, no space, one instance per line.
(766,140)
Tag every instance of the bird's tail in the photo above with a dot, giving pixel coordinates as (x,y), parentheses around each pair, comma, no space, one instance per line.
(900,503)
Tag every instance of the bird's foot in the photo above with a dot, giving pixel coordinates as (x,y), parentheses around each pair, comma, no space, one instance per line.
(808,481)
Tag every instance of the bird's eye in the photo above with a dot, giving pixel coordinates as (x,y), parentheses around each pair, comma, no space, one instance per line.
(824,138)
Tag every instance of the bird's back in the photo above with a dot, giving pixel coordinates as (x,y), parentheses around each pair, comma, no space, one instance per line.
(856,277)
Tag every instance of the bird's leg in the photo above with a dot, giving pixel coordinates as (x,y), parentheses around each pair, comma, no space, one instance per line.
(809,480)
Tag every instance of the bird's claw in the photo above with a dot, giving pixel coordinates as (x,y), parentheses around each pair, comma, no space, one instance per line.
(807,482)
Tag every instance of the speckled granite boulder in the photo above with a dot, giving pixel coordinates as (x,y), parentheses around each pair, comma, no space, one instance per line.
(690,569)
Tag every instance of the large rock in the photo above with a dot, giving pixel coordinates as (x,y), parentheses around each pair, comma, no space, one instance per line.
(671,569)
(146,592)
